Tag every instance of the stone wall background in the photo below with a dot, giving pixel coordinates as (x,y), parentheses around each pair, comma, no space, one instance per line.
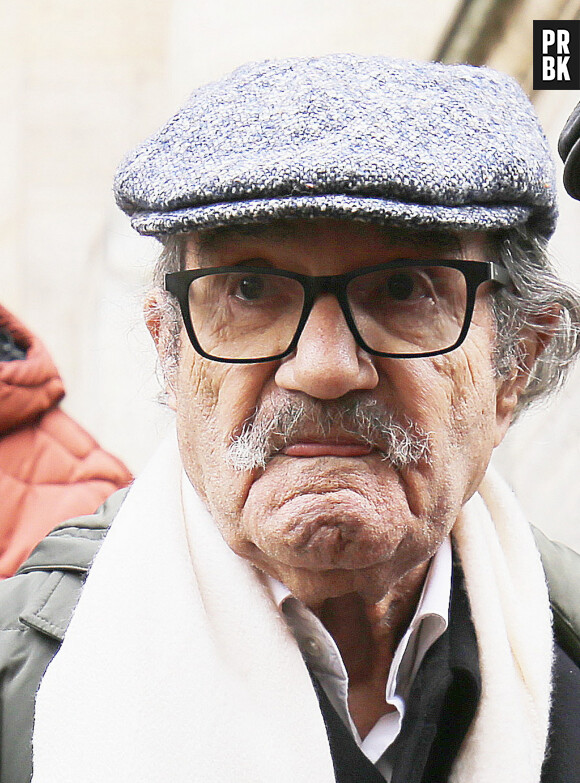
(82,82)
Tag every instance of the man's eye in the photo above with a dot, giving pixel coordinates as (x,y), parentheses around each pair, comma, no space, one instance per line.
(400,286)
(250,287)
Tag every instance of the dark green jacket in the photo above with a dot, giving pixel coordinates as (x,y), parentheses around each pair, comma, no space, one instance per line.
(36,606)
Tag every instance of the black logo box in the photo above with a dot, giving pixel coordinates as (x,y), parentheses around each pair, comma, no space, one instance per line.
(556,50)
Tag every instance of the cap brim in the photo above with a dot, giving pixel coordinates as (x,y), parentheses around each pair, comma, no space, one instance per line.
(475,217)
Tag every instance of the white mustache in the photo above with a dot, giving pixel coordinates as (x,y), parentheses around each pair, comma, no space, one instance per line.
(268,431)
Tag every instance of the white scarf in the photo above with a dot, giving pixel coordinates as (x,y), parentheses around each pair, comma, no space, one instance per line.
(178,667)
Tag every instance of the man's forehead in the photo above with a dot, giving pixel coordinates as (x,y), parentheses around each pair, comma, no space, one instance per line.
(209,242)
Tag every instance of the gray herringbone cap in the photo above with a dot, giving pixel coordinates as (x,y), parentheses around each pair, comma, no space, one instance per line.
(369,138)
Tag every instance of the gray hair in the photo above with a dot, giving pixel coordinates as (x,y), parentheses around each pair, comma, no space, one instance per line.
(539,301)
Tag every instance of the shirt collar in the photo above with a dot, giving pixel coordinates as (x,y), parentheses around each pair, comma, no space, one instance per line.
(429,622)
(434,600)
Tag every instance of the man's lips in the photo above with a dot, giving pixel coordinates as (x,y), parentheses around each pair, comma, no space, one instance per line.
(327,449)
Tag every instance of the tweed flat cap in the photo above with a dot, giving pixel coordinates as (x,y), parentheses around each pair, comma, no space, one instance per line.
(367,138)
(569,149)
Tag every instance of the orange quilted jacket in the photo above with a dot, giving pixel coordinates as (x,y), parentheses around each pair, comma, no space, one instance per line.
(50,467)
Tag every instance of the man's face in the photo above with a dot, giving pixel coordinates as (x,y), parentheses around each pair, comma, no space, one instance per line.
(328,514)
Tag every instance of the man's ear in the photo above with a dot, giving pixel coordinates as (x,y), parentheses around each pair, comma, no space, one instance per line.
(155,312)
(531,344)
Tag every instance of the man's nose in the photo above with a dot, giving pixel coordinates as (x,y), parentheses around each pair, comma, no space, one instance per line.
(327,362)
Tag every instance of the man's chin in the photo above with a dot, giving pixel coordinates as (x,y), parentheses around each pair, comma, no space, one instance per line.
(321,533)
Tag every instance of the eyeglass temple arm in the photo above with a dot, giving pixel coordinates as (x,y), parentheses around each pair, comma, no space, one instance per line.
(499,274)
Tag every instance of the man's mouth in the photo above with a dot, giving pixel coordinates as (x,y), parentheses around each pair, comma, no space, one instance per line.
(354,428)
(312,448)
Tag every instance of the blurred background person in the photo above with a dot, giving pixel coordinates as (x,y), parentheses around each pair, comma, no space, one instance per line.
(50,467)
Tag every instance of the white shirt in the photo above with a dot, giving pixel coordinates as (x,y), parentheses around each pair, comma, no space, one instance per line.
(323,656)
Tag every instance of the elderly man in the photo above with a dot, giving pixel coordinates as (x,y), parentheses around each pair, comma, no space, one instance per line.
(318,577)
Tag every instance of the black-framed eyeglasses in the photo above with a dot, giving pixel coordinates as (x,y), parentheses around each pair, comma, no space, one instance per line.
(400,309)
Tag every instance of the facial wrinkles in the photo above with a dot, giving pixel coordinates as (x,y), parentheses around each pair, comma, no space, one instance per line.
(212,402)
(196,403)
(435,386)
(478,386)
(270,430)
(470,411)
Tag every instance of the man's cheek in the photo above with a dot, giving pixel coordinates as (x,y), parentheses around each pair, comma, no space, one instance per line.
(470,423)
(213,405)
(208,403)
(452,398)
(421,390)
(238,392)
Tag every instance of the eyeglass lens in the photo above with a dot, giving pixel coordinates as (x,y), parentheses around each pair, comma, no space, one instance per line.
(409,310)
(241,315)
(399,310)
